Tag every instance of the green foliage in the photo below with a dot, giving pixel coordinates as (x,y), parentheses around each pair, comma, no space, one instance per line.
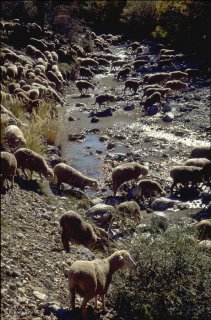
(139,18)
(171,280)
(159,33)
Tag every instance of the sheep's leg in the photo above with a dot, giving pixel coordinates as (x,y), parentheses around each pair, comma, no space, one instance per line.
(95,302)
(25,174)
(31,174)
(72,297)
(83,308)
(65,242)
(172,186)
(103,302)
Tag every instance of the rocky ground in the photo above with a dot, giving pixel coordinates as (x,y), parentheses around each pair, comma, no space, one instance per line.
(32,260)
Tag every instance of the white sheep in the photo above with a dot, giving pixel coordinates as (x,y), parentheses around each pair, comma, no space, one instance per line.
(8,167)
(67,174)
(29,159)
(14,137)
(92,278)
(126,172)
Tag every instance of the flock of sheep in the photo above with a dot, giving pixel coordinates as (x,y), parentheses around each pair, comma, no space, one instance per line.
(38,77)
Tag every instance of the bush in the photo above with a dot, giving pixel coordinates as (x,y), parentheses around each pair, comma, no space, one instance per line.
(171,280)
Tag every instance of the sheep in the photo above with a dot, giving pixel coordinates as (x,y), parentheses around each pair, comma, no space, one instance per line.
(204,229)
(130,208)
(73,177)
(104,98)
(184,175)
(178,75)
(135,45)
(8,168)
(14,137)
(166,52)
(163,91)
(133,85)
(126,172)
(139,63)
(86,73)
(92,278)
(161,77)
(84,85)
(29,159)
(197,162)
(12,71)
(154,98)
(103,62)
(88,62)
(201,152)
(176,85)
(54,78)
(207,171)
(74,227)
(149,188)
(123,73)
(118,63)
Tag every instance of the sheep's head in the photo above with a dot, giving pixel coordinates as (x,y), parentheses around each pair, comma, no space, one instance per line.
(125,258)
(50,175)
(93,184)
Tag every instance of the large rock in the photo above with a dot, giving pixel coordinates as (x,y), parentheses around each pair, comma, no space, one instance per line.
(159,220)
(101,213)
(161,204)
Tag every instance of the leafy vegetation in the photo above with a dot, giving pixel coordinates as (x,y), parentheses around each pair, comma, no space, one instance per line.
(171,280)
(184,23)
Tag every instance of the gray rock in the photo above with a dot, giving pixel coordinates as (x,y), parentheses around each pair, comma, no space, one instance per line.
(166,107)
(159,220)
(162,204)
(168,117)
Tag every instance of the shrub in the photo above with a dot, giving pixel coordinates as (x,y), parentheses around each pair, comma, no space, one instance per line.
(171,280)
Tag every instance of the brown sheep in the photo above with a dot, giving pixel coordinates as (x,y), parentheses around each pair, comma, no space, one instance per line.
(157,78)
(179,75)
(184,175)
(8,167)
(133,85)
(74,227)
(126,172)
(198,162)
(150,91)
(154,98)
(130,208)
(176,85)
(123,73)
(105,98)
(92,278)
(29,159)
(82,84)
(149,188)
(67,174)
(86,73)
(201,152)
(139,63)
(204,230)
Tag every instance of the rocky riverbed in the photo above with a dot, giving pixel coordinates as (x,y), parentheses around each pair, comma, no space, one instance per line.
(33,262)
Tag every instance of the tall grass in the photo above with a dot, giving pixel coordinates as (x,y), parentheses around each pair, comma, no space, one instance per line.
(42,127)
(172,280)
